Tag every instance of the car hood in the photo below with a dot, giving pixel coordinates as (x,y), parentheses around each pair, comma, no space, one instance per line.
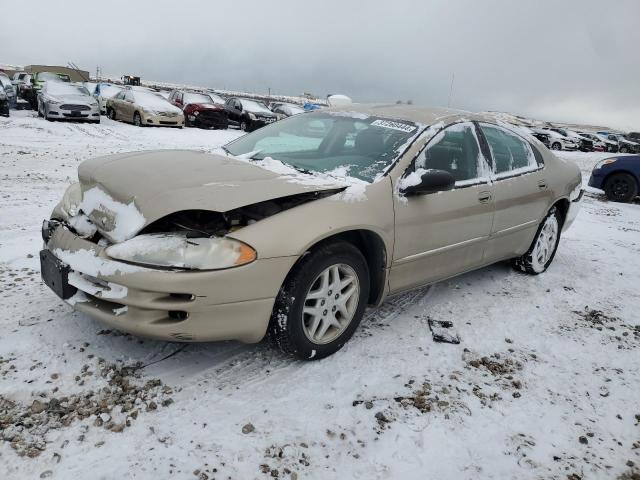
(142,187)
(262,113)
(75,99)
(204,106)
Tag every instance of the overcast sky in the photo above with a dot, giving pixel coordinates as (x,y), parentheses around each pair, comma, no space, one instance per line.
(564,60)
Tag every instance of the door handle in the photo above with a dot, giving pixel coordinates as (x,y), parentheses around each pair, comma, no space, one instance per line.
(484,197)
(542,184)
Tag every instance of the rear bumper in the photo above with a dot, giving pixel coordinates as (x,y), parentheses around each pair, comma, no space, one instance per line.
(574,208)
(174,305)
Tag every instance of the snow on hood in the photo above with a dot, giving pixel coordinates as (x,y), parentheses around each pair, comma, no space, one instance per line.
(354,188)
(153,103)
(118,221)
(127,192)
(73,98)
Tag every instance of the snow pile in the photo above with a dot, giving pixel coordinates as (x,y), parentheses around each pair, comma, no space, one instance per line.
(127,219)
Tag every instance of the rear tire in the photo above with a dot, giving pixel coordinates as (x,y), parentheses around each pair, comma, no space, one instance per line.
(137,120)
(621,187)
(544,246)
(315,312)
(111,113)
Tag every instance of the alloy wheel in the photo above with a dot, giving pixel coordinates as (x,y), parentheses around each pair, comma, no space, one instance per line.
(330,304)
(545,243)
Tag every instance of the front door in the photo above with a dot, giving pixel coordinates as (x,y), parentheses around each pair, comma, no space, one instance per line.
(441,234)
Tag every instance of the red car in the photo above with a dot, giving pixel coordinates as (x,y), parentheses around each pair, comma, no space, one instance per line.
(203,110)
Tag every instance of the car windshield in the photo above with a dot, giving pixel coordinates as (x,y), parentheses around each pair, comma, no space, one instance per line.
(253,106)
(196,98)
(362,146)
(59,88)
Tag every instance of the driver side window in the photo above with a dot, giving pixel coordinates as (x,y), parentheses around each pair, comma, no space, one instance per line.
(454,150)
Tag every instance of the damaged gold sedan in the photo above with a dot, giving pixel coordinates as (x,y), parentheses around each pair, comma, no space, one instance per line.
(294,229)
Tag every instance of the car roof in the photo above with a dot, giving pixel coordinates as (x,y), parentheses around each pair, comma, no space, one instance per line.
(423,115)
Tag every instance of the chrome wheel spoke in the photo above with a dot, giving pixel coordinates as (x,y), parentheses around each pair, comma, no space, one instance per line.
(331,303)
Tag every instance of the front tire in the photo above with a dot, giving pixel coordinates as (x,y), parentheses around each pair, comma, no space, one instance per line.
(244,126)
(321,302)
(111,114)
(137,120)
(621,187)
(624,150)
(544,246)
(556,146)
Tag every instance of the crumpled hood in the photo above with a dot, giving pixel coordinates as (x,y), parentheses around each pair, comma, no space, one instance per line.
(146,186)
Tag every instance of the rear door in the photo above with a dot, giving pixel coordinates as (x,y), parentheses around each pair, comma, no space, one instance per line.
(441,234)
(232,111)
(521,193)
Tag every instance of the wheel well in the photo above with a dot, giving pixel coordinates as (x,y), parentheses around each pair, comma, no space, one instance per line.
(615,172)
(373,249)
(563,207)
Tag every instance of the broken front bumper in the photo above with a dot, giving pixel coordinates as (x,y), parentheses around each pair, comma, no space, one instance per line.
(177,305)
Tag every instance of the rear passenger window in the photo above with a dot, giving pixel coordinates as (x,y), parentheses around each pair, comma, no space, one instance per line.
(455,150)
(511,154)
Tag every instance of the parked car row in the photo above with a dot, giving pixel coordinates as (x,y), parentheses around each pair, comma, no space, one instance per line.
(557,138)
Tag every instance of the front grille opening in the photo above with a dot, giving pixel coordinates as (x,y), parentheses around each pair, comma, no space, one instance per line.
(178,315)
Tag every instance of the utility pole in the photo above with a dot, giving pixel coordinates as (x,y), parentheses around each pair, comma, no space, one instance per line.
(269,91)
(453,77)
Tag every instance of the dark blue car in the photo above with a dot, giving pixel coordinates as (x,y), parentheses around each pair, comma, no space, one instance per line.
(619,177)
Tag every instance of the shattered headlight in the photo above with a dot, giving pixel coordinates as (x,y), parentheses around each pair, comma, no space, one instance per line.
(178,250)
(71,199)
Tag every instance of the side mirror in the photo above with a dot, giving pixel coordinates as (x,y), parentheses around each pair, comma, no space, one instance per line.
(422,182)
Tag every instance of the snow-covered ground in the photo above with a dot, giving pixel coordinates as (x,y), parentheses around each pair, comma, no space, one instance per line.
(545,382)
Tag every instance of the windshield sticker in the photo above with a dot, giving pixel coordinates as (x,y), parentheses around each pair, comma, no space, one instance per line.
(403,127)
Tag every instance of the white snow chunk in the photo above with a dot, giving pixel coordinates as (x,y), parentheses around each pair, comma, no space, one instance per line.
(127,218)
(82,225)
(78,297)
(120,311)
(86,261)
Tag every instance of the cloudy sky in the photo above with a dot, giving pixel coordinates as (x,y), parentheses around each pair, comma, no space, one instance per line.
(564,60)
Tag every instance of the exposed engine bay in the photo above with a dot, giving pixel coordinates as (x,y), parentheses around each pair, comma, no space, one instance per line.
(199,223)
